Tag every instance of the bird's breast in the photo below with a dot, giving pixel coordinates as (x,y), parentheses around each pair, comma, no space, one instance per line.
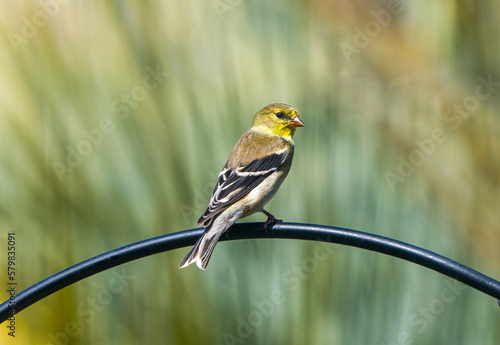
(263,193)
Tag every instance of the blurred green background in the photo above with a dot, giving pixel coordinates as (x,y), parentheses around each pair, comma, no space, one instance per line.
(116,117)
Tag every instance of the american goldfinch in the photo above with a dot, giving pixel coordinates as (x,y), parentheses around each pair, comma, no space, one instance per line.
(259,163)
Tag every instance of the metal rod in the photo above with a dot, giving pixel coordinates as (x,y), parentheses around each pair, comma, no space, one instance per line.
(297,231)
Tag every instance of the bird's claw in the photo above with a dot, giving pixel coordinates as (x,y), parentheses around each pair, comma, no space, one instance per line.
(270,219)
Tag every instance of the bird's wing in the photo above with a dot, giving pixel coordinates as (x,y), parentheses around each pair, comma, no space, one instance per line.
(235,183)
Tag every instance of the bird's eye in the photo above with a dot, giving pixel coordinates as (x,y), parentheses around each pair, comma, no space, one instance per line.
(280,115)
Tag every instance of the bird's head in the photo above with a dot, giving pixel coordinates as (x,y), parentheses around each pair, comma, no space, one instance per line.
(278,119)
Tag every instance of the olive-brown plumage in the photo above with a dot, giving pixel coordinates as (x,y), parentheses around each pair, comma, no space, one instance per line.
(259,163)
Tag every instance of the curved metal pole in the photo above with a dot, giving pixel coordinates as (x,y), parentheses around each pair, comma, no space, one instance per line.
(297,231)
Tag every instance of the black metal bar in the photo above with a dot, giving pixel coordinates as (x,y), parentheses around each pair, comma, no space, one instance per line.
(298,231)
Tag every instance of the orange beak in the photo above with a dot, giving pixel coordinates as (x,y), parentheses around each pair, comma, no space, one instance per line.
(296,122)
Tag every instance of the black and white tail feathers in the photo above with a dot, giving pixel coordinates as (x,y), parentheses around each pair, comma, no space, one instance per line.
(203,249)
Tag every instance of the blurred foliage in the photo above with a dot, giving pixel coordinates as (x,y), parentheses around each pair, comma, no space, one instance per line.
(115,118)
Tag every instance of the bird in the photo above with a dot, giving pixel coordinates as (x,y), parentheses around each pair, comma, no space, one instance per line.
(255,169)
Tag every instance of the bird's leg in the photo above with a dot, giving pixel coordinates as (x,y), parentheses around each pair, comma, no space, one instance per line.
(270,219)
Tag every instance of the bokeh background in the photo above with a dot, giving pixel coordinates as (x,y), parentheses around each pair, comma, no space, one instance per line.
(116,117)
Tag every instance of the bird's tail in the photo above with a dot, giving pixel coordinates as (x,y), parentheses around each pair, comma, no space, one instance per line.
(203,249)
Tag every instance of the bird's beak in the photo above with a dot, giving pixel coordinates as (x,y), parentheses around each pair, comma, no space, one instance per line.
(296,122)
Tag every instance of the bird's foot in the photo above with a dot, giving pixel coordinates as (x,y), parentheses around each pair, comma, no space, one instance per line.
(270,219)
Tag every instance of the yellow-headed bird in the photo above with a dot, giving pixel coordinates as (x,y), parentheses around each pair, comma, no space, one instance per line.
(253,173)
